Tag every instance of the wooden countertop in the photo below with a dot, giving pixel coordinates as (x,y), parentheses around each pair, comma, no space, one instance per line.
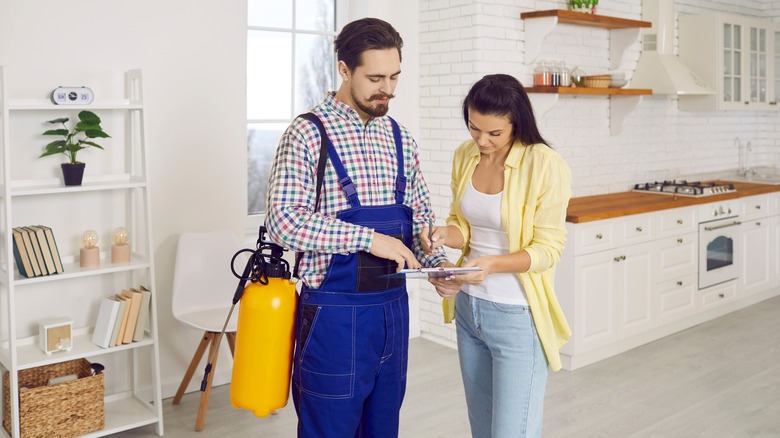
(598,207)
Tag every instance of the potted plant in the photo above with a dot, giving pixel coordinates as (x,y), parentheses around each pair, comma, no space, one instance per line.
(74,140)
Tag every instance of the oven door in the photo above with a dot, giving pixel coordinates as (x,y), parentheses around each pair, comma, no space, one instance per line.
(720,251)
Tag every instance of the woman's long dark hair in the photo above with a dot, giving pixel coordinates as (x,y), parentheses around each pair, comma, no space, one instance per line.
(503,95)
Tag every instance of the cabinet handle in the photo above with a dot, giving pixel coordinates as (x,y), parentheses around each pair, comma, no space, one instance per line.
(758,207)
(619,258)
(758,224)
(679,283)
(599,236)
(639,229)
(679,221)
(680,240)
(721,296)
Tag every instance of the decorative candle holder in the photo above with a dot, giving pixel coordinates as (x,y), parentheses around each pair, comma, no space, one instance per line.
(89,255)
(120,250)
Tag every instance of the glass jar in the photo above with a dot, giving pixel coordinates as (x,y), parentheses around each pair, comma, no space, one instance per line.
(565,78)
(542,75)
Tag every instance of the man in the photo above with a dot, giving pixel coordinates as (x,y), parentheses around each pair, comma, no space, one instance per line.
(352,320)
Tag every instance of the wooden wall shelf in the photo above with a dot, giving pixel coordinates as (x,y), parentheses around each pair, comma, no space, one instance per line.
(582,19)
(590,91)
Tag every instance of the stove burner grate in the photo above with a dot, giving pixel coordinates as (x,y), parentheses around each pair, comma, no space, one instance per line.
(685,188)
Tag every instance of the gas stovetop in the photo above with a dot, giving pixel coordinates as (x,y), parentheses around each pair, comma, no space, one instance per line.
(694,189)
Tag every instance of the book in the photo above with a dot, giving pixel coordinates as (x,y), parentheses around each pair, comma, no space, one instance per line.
(40,237)
(20,255)
(132,317)
(143,315)
(121,333)
(104,325)
(37,250)
(55,252)
(30,251)
(118,322)
(431,272)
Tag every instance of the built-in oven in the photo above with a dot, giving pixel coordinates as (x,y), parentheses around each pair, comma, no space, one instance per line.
(720,249)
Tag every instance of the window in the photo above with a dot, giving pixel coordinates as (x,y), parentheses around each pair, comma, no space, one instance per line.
(290,67)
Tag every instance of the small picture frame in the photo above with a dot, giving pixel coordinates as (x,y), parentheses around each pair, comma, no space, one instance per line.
(55,334)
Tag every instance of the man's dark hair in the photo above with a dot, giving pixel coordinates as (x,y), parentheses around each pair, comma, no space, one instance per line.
(365,34)
(503,95)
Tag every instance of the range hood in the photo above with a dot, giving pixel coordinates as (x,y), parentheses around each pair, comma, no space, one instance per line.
(658,68)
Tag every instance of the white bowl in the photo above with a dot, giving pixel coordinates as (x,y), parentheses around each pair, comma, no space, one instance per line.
(617,83)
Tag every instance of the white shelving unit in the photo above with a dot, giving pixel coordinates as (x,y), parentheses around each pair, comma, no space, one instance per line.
(115,193)
(622,33)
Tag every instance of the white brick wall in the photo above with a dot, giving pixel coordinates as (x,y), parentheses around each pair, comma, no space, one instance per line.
(461,40)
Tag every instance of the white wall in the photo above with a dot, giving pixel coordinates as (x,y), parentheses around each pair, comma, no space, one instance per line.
(463,40)
(192,54)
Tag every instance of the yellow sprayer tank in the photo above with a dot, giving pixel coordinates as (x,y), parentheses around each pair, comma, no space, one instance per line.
(265,340)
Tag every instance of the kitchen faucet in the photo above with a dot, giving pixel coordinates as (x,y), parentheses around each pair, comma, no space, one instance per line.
(743,168)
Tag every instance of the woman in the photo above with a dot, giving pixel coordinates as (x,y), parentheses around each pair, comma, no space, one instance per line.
(510,192)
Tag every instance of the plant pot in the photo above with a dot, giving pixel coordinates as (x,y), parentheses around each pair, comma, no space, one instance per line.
(72,173)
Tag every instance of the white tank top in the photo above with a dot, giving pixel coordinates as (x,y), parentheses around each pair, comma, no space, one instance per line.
(488,237)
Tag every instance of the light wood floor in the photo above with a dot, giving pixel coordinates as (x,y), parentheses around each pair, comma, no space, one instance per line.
(718,379)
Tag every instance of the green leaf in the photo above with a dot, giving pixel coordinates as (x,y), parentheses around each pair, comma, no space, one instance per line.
(96,133)
(89,117)
(61,120)
(92,144)
(56,132)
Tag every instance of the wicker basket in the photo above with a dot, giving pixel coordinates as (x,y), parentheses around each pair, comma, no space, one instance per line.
(599,81)
(62,410)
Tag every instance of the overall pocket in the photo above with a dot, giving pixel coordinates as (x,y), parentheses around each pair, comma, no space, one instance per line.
(327,350)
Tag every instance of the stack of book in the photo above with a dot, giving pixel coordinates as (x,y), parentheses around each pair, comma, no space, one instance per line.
(35,251)
(122,318)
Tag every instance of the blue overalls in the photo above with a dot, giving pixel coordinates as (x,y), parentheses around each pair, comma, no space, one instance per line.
(349,375)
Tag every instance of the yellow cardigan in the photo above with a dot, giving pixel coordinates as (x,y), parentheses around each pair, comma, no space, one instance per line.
(537,188)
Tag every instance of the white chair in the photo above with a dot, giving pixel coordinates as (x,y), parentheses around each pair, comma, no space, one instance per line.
(203,289)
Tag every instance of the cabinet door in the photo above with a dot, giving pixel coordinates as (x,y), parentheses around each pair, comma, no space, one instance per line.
(594,324)
(757,60)
(732,76)
(676,256)
(775,250)
(633,280)
(733,54)
(676,298)
(775,93)
(756,266)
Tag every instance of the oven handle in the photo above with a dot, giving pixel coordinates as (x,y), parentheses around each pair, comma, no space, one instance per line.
(722,226)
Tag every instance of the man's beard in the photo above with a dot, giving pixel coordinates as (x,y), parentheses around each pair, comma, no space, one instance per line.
(377,110)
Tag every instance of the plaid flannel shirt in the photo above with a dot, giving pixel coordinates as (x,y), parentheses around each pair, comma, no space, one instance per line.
(369,157)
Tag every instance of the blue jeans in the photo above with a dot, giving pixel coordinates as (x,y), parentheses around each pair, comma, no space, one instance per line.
(503,367)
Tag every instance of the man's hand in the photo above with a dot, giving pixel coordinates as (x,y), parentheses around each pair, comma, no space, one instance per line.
(391,248)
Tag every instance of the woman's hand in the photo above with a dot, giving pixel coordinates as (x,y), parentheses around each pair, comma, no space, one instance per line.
(476,278)
(432,239)
(446,287)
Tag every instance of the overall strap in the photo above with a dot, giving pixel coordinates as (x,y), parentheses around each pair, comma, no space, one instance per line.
(320,172)
(400,179)
(347,186)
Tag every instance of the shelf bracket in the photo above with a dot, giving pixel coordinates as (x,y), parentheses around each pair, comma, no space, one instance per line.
(542,102)
(535,31)
(619,108)
(619,40)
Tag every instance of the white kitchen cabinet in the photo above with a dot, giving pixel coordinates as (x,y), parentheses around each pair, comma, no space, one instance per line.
(115,193)
(757,266)
(676,298)
(735,54)
(611,296)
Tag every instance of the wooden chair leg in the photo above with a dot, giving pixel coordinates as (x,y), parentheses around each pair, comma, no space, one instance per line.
(231,338)
(191,369)
(200,421)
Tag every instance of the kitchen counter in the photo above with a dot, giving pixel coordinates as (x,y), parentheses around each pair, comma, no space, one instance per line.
(598,207)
